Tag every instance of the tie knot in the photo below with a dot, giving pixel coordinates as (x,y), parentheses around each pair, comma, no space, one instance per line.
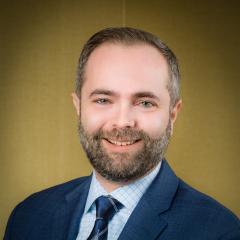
(106,207)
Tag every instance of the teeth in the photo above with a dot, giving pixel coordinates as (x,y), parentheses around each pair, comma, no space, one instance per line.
(121,143)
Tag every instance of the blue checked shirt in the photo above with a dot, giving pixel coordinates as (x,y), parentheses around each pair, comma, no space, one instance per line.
(128,195)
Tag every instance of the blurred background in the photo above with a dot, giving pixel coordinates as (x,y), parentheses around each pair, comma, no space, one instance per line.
(40,42)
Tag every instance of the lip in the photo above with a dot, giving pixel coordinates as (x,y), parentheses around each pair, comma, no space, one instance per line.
(121,146)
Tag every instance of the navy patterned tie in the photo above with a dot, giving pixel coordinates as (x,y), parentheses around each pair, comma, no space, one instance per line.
(106,207)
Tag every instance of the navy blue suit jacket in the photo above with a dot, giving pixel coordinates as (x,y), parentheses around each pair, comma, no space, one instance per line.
(169,210)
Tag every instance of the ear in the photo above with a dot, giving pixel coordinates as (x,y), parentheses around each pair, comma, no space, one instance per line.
(76,102)
(174,113)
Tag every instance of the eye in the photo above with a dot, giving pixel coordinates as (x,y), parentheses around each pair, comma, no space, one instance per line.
(102,101)
(146,104)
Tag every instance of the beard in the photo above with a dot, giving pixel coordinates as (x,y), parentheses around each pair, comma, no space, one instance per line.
(124,166)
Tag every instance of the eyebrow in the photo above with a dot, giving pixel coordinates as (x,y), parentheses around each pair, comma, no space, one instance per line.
(143,94)
(146,94)
(102,92)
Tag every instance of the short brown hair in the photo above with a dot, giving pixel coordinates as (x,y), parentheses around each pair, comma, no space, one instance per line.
(130,36)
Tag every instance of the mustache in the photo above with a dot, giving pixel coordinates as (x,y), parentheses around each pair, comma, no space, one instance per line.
(124,134)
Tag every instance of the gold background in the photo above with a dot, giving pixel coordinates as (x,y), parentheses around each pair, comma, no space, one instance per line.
(40,45)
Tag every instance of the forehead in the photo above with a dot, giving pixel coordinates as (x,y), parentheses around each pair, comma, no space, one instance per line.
(138,67)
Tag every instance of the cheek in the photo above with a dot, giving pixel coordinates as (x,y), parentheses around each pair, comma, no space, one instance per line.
(92,120)
(154,126)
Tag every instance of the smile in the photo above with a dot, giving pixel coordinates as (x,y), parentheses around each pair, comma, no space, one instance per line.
(121,143)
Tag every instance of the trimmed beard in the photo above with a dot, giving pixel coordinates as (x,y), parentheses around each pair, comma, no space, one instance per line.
(124,167)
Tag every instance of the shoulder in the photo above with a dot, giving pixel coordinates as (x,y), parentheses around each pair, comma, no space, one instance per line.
(41,207)
(51,197)
(187,195)
(202,209)
(193,205)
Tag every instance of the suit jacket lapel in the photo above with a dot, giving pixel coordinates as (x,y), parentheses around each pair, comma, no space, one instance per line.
(68,215)
(146,221)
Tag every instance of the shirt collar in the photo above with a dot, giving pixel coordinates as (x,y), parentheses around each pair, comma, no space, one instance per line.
(129,195)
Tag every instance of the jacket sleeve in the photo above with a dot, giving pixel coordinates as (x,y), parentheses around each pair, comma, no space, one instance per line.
(8,231)
(232,235)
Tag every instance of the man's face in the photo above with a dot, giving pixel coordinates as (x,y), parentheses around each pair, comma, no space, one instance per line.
(124,111)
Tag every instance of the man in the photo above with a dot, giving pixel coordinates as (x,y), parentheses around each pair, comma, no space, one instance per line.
(127,100)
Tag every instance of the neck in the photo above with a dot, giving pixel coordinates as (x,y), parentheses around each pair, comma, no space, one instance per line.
(108,185)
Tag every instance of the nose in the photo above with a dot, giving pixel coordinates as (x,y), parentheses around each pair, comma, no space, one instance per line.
(124,117)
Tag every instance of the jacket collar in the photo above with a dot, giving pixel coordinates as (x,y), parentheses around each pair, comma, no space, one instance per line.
(146,221)
(67,217)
